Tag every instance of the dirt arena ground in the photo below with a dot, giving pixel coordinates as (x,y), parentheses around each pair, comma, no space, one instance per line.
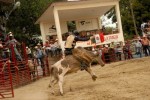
(125,80)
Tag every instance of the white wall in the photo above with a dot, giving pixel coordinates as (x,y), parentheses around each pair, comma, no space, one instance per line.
(47,31)
(87,24)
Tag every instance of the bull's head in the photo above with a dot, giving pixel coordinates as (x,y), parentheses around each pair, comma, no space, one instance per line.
(98,59)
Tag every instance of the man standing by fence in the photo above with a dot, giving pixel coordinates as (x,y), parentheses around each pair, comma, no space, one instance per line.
(145,43)
(138,48)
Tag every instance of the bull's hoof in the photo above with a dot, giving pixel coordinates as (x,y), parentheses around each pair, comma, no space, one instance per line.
(103,65)
(94,77)
(61,94)
(52,92)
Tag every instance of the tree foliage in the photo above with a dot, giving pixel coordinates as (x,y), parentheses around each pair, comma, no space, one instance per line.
(22,20)
(141,12)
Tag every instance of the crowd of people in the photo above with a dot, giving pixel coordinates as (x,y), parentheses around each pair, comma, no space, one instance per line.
(10,44)
(119,51)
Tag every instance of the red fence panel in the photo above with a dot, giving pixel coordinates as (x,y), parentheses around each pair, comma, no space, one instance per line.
(6,87)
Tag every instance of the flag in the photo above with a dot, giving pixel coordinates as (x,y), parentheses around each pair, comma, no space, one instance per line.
(97,38)
(101,35)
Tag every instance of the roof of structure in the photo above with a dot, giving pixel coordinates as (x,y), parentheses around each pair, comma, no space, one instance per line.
(72,14)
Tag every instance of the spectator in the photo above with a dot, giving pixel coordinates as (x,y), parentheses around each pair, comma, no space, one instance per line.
(138,48)
(127,50)
(28,51)
(39,54)
(100,51)
(47,47)
(53,49)
(112,45)
(106,54)
(50,48)
(145,43)
(118,52)
(58,49)
(13,42)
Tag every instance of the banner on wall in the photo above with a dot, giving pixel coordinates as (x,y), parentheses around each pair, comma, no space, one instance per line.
(96,40)
(110,38)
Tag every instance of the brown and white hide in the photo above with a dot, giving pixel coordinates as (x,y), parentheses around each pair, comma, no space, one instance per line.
(71,64)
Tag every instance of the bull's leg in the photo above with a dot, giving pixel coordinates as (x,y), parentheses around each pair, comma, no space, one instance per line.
(89,70)
(60,82)
(53,81)
(61,79)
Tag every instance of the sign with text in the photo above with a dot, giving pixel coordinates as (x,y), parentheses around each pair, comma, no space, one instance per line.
(110,38)
(107,39)
(84,24)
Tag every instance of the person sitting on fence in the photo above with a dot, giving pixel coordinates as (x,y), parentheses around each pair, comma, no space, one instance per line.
(13,42)
(1,48)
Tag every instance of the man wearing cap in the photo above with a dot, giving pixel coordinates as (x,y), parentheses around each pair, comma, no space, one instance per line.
(39,54)
(71,41)
(13,42)
(29,53)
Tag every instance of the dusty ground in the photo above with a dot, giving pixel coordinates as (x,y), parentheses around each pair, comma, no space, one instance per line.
(125,80)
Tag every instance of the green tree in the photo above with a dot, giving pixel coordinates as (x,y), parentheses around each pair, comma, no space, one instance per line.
(22,21)
(140,10)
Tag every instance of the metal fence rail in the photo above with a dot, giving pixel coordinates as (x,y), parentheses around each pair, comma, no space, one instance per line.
(6,87)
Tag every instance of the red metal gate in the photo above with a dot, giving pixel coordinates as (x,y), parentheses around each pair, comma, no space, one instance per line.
(6,87)
(14,73)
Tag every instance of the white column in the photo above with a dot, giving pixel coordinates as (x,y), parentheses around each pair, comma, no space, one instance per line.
(58,28)
(43,32)
(119,20)
(99,23)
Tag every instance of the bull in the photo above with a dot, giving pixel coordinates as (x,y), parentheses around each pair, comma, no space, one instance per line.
(71,64)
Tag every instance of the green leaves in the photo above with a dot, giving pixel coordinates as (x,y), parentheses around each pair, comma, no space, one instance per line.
(141,12)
